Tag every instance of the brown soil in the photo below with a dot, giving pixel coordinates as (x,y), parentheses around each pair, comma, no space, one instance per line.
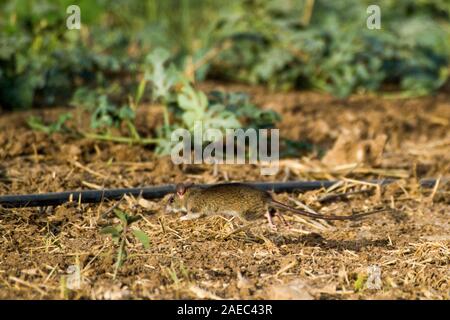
(362,137)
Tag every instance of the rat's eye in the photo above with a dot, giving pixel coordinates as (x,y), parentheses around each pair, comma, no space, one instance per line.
(171,200)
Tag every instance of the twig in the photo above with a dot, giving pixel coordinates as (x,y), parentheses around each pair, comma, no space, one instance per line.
(343,195)
(211,54)
(27,284)
(95,173)
(91,185)
(129,140)
(436,185)
(112,208)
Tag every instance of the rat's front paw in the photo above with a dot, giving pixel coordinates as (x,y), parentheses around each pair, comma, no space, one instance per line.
(190,216)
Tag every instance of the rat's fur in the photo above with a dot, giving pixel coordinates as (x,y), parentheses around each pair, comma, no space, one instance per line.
(236,199)
(233,199)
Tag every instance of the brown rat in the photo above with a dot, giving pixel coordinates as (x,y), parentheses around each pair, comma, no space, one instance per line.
(236,199)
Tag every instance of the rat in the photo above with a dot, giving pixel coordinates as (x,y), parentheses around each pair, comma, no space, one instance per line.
(237,200)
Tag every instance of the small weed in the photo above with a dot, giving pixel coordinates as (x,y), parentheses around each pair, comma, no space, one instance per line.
(177,273)
(119,235)
(36,123)
(360,281)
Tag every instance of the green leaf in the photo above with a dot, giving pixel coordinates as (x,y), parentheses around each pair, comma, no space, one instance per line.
(126,113)
(110,230)
(58,125)
(103,116)
(158,57)
(140,91)
(190,99)
(122,216)
(358,285)
(116,240)
(37,124)
(134,218)
(162,79)
(142,237)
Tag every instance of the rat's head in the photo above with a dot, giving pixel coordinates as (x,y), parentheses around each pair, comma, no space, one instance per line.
(176,202)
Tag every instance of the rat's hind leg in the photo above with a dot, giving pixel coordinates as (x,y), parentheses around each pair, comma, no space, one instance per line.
(281,217)
(269,216)
(275,213)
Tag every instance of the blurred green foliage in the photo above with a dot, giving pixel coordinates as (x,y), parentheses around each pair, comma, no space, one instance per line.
(191,107)
(184,106)
(37,124)
(284,44)
(326,45)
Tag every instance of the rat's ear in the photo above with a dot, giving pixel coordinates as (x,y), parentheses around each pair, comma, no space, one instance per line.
(181,189)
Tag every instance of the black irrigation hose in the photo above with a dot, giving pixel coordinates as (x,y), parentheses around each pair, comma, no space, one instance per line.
(96,196)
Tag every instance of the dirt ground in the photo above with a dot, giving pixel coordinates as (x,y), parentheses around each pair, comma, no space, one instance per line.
(362,137)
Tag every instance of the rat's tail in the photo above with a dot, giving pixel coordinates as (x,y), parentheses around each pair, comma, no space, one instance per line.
(355,216)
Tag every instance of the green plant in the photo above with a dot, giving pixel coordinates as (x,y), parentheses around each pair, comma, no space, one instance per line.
(239,104)
(183,106)
(187,105)
(36,123)
(292,148)
(161,78)
(176,273)
(162,81)
(119,235)
(190,106)
(283,44)
(196,108)
(360,282)
(106,116)
(333,50)
(40,60)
